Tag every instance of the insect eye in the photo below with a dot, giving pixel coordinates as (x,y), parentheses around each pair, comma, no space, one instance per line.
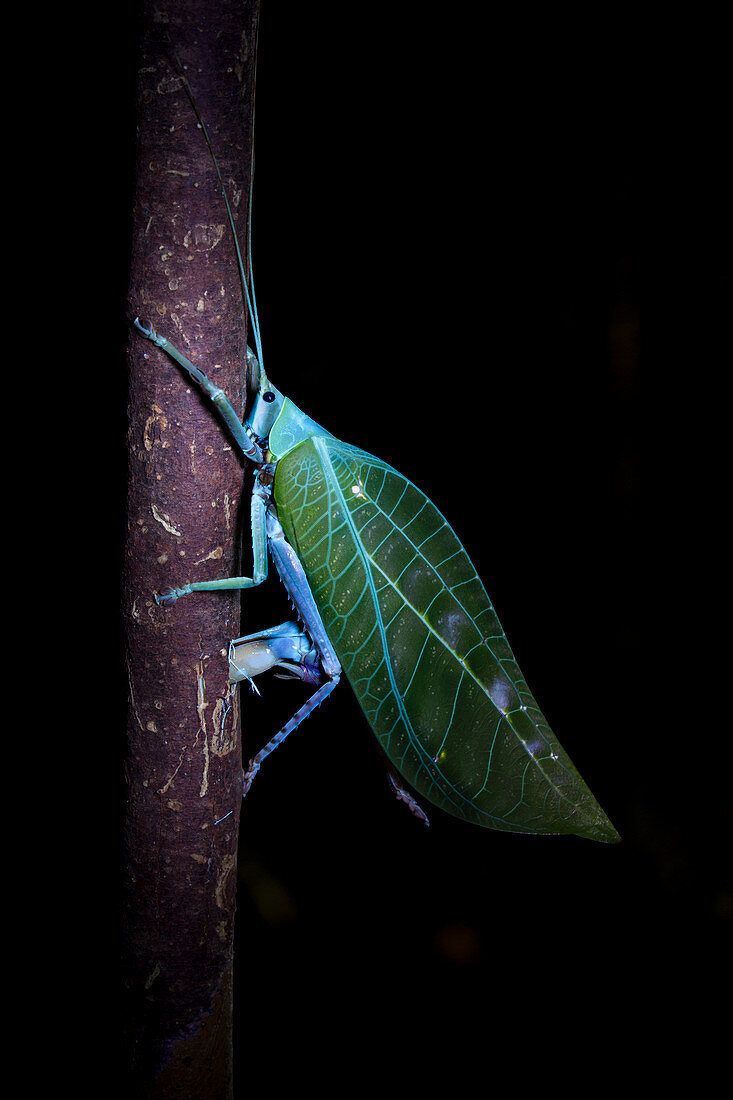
(269,396)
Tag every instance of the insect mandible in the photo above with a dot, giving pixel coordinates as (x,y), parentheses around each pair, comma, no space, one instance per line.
(386,594)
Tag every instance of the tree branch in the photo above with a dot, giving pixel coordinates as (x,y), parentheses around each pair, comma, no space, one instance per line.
(185,486)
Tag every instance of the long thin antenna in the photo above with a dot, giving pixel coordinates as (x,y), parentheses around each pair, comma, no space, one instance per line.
(253,306)
(245,277)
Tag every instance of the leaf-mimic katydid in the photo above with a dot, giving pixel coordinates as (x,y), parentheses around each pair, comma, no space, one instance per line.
(385,592)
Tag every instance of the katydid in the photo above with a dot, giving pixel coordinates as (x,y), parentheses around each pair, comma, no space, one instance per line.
(385,593)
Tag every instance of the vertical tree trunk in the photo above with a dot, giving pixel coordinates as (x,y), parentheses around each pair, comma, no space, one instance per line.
(185,485)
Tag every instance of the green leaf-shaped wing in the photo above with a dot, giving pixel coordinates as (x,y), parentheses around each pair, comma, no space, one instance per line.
(423,648)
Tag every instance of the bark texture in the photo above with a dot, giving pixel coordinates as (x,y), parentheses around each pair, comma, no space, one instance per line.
(183,768)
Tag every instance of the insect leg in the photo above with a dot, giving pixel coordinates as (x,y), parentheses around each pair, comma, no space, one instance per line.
(248,447)
(403,796)
(260,495)
(314,701)
(293,577)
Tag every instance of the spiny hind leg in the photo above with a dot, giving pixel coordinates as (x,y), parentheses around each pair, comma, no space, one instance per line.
(307,654)
(308,707)
(291,650)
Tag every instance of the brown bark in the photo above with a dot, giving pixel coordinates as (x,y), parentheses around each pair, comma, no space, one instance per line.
(185,482)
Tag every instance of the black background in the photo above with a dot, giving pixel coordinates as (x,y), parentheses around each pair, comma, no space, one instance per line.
(493,253)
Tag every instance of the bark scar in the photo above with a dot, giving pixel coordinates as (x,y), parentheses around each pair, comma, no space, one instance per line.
(162,790)
(214,555)
(164,519)
(224,740)
(201,706)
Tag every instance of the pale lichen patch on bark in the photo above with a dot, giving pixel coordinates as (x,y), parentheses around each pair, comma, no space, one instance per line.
(180,327)
(203,238)
(166,521)
(224,739)
(214,555)
(169,84)
(152,976)
(156,423)
(201,706)
(133,703)
(228,863)
(164,788)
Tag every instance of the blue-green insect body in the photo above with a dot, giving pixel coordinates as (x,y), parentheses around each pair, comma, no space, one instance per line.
(386,592)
